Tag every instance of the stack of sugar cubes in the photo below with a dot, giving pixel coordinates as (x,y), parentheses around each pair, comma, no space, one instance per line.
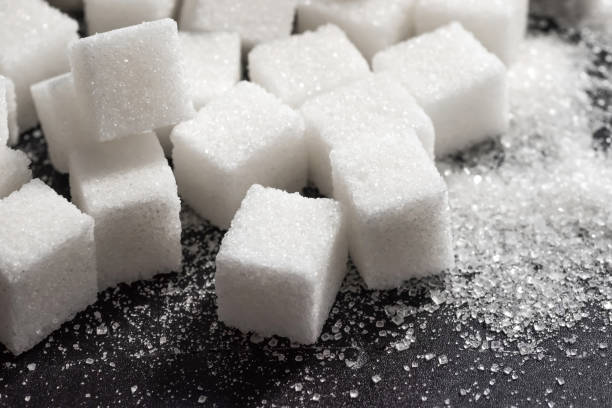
(112,104)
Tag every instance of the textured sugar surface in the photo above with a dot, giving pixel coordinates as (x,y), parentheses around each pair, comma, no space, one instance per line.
(281,264)
(110,68)
(28,234)
(305,65)
(33,38)
(14,170)
(244,137)
(212,64)
(372,25)
(457,82)
(499,25)
(61,118)
(47,264)
(377,97)
(160,342)
(129,189)
(106,15)
(11,110)
(256,21)
(397,208)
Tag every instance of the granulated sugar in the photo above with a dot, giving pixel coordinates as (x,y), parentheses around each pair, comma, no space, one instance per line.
(533,236)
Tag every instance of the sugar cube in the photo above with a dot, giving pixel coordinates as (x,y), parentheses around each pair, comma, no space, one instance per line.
(499,25)
(304,65)
(397,206)
(34,38)
(131,80)
(372,25)
(459,84)
(14,170)
(281,264)
(63,122)
(212,64)
(107,15)
(377,96)
(256,21)
(8,112)
(244,137)
(127,186)
(47,264)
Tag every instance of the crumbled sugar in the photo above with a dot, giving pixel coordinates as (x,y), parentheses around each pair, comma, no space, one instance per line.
(372,25)
(212,64)
(14,170)
(47,264)
(109,72)
(536,254)
(107,15)
(33,38)
(376,97)
(244,137)
(305,65)
(499,25)
(61,118)
(285,255)
(128,188)
(397,206)
(257,21)
(8,112)
(459,84)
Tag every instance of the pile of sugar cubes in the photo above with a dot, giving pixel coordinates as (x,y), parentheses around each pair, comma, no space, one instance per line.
(360,101)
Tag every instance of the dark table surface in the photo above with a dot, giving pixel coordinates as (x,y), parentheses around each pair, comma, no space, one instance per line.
(159,343)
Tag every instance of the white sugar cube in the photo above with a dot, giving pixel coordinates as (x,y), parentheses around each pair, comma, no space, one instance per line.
(63,122)
(131,80)
(372,25)
(128,188)
(8,113)
(304,65)
(256,21)
(459,84)
(499,25)
(245,137)
(212,64)
(281,264)
(107,15)
(397,207)
(14,170)
(47,264)
(376,97)
(34,40)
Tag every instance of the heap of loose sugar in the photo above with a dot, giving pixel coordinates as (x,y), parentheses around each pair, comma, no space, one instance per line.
(531,216)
